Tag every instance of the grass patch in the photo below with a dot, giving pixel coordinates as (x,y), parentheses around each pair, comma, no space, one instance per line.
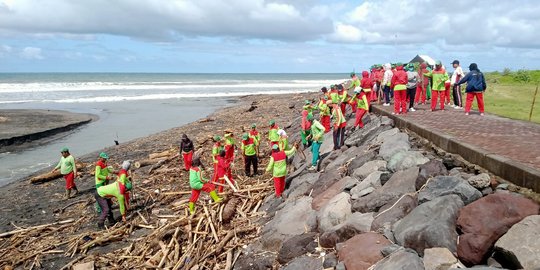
(510,94)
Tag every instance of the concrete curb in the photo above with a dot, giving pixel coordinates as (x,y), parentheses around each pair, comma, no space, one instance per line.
(504,167)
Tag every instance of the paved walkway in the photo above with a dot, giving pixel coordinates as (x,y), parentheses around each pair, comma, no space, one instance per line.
(513,140)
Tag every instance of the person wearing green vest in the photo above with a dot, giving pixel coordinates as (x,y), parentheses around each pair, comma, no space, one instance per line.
(439,77)
(249,151)
(324,113)
(68,169)
(102,177)
(317,134)
(198,183)
(119,190)
(334,94)
(273,136)
(278,167)
(305,126)
(216,148)
(283,142)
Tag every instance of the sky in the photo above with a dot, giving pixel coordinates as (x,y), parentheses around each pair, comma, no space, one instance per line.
(238,36)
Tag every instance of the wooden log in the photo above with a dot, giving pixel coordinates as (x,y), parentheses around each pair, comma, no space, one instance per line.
(35,227)
(53,175)
(146,162)
(163,154)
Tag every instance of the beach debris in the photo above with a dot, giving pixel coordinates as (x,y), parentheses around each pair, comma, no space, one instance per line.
(55,175)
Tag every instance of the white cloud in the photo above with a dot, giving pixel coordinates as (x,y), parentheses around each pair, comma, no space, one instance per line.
(31,53)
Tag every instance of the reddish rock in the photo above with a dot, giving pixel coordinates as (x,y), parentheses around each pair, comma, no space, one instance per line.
(362,251)
(485,220)
(322,199)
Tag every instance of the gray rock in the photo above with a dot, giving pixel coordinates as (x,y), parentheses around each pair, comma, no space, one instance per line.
(299,160)
(296,246)
(355,224)
(394,144)
(361,135)
(363,157)
(340,266)
(385,177)
(328,144)
(519,247)
(430,169)
(330,260)
(342,158)
(372,180)
(486,191)
(503,186)
(399,210)
(402,259)
(335,212)
(480,181)
(444,185)
(390,249)
(322,199)
(438,259)
(455,171)
(253,258)
(293,219)
(383,136)
(326,180)
(404,160)
(359,194)
(386,121)
(432,224)
(368,168)
(301,185)
(304,262)
(331,157)
(400,183)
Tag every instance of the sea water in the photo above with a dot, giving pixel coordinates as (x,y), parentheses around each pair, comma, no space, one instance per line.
(129,105)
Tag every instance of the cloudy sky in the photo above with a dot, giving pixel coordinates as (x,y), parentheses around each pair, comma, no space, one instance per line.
(262,35)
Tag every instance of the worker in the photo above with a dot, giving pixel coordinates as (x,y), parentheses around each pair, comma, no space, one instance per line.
(317,135)
(230,147)
(198,183)
(69,170)
(339,123)
(343,98)
(222,170)
(476,85)
(362,107)
(249,152)
(439,77)
(399,84)
(216,148)
(366,84)
(324,113)
(273,137)
(283,140)
(278,167)
(102,176)
(186,149)
(386,83)
(118,189)
(253,133)
(412,81)
(447,85)
(355,83)
(305,127)
(334,95)
(456,89)
(422,85)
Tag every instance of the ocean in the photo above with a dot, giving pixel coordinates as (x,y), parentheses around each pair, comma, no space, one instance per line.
(129,105)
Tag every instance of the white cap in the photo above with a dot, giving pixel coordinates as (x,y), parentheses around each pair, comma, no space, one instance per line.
(281,132)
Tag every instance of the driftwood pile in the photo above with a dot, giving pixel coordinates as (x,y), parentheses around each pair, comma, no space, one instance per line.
(159,232)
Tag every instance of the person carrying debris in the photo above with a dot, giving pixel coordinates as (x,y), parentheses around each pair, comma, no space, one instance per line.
(186,148)
(339,123)
(305,130)
(278,167)
(439,77)
(317,135)
(249,151)
(102,176)
(216,148)
(476,85)
(119,190)
(223,168)
(198,183)
(324,113)
(69,170)
(273,136)
(360,97)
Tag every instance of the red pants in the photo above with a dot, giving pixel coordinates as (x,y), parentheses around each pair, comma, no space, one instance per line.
(279,185)
(187,159)
(70,180)
(447,92)
(479,98)
(434,95)
(207,187)
(400,101)
(421,93)
(325,121)
(373,95)
(359,114)
(354,105)
(223,182)
(343,107)
(215,176)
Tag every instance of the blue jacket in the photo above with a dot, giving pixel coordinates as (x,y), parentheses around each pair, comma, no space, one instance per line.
(475,81)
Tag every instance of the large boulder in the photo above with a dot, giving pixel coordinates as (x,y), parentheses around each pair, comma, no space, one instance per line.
(304,262)
(299,159)
(383,136)
(363,157)
(328,144)
(519,247)
(347,155)
(327,159)
(432,224)
(254,258)
(294,218)
(368,168)
(485,220)
(336,211)
(373,180)
(480,181)
(404,160)
(362,251)
(356,223)
(394,211)
(301,185)
(326,180)
(296,246)
(322,199)
(438,259)
(403,259)
(430,169)
(399,184)
(445,185)
(360,136)
(393,145)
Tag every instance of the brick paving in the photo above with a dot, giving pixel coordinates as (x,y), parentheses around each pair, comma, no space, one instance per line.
(514,139)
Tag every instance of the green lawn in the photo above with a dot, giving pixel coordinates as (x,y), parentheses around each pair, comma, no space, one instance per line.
(508,96)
